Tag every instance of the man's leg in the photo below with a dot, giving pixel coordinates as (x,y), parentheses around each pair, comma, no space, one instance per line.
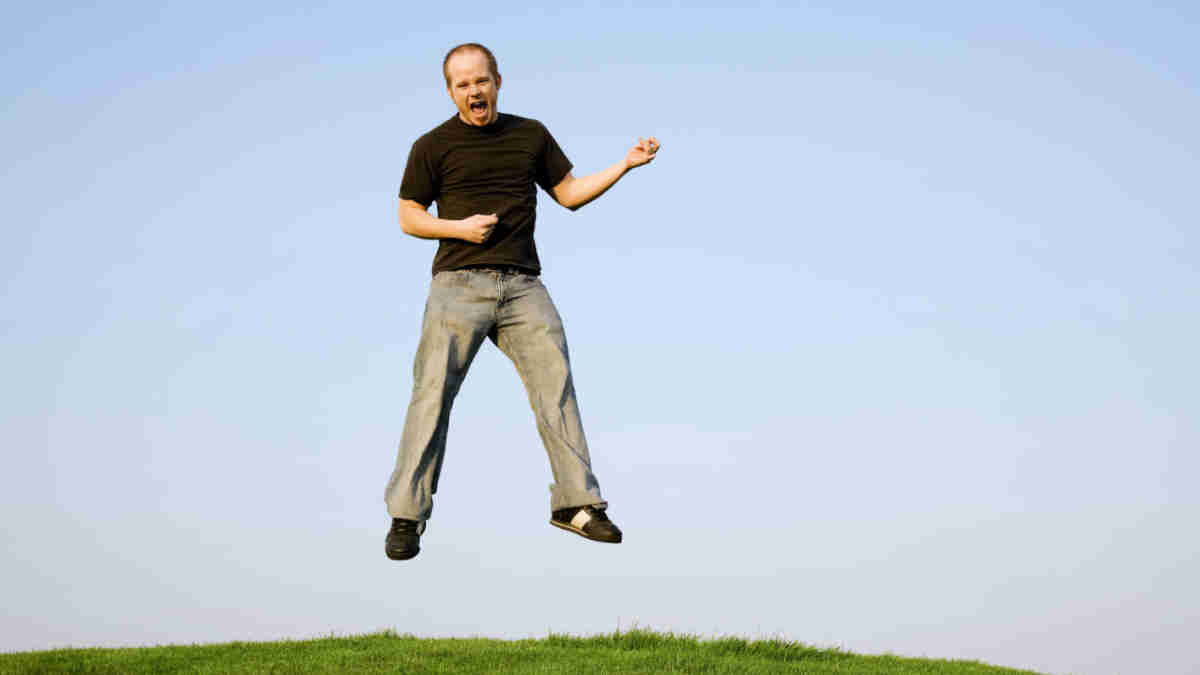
(458,315)
(530,332)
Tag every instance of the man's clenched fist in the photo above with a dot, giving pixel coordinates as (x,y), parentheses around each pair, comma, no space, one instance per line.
(478,227)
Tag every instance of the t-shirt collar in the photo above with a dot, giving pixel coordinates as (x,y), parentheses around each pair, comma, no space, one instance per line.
(490,128)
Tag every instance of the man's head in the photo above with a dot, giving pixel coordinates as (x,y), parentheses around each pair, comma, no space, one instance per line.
(473,82)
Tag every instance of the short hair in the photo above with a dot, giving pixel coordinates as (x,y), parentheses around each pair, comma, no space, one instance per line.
(466,47)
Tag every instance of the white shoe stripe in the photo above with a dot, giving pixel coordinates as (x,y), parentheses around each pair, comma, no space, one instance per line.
(582,518)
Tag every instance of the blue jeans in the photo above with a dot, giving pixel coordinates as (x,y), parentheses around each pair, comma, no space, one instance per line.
(516,313)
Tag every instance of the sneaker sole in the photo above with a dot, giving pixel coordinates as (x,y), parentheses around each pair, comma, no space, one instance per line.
(401,555)
(571,528)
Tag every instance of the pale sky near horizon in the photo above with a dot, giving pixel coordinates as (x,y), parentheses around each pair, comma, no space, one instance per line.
(892,348)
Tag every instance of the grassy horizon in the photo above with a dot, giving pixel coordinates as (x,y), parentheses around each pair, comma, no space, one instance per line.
(632,651)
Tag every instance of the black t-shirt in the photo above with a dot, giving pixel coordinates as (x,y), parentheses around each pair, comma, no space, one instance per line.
(492,169)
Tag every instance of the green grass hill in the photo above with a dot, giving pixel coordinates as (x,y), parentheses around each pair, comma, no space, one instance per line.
(635,651)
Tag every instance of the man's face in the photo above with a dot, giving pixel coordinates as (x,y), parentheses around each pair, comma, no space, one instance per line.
(473,87)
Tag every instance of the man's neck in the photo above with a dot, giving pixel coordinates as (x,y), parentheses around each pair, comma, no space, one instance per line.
(495,117)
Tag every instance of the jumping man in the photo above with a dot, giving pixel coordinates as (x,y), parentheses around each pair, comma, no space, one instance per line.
(480,166)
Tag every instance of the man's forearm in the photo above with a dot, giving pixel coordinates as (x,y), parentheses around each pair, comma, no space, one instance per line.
(583,190)
(417,221)
(420,223)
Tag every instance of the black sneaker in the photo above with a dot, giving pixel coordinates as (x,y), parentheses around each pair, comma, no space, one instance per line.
(587,521)
(404,539)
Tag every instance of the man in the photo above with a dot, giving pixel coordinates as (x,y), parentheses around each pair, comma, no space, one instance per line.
(481,166)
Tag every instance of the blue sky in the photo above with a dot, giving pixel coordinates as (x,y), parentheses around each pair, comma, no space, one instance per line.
(892,348)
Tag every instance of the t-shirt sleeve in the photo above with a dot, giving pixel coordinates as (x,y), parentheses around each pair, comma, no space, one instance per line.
(420,182)
(553,164)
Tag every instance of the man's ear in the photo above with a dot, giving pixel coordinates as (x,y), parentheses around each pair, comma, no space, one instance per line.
(497,80)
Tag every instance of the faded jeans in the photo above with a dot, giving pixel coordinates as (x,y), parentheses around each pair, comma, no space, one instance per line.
(516,313)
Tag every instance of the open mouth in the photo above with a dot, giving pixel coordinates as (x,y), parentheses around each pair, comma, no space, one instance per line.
(479,107)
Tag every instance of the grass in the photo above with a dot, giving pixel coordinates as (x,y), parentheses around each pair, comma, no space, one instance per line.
(635,651)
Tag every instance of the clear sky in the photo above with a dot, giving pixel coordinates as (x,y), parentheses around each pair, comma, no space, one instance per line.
(894,346)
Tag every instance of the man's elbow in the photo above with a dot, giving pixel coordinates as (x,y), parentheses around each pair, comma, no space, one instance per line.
(566,194)
(569,202)
(413,230)
(407,224)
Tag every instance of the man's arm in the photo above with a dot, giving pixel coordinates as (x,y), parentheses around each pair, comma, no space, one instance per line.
(574,192)
(416,220)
